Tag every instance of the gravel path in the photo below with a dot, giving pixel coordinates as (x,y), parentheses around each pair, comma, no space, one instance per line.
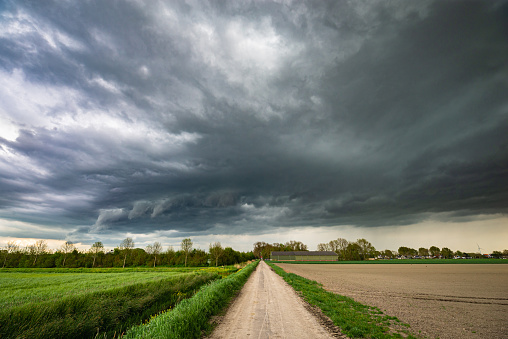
(269,308)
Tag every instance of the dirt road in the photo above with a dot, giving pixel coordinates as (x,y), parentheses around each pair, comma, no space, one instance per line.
(269,308)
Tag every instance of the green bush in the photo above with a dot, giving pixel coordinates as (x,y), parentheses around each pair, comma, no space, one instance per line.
(191,317)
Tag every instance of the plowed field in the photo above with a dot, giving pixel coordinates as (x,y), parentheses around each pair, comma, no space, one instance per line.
(445,301)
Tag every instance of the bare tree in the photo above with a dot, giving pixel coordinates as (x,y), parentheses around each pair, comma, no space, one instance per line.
(67,248)
(157,249)
(40,247)
(324,247)
(216,251)
(154,249)
(126,247)
(294,245)
(11,247)
(95,250)
(186,248)
(338,245)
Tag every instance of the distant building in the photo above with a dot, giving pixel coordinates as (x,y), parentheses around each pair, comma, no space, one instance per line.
(304,256)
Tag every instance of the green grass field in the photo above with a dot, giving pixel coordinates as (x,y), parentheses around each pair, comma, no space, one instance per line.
(21,288)
(403,261)
(60,303)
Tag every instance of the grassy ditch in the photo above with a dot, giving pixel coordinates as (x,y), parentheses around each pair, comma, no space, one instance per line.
(354,319)
(105,313)
(190,318)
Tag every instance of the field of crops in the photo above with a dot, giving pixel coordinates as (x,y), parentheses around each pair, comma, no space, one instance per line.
(50,303)
(20,288)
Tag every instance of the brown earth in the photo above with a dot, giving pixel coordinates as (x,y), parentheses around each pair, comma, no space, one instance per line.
(447,301)
(269,308)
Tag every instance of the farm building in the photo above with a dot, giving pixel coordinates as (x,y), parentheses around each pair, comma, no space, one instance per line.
(304,255)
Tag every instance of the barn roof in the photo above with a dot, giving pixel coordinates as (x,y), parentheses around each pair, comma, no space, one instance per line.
(309,253)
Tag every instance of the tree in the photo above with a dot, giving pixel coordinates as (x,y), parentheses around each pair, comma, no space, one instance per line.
(11,247)
(294,245)
(39,248)
(230,256)
(434,251)
(216,251)
(278,247)
(170,255)
(263,250)
(186,248)
(387,254)
(126,247)
(407,251)
(66,248)
(154,249)
(366,249)
(339,246)
(353,251)
(198,257)
(96,248)
(423,252)
(324,247)
(446,252)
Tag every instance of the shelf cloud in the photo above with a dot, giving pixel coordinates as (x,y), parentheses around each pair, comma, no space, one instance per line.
(248,117)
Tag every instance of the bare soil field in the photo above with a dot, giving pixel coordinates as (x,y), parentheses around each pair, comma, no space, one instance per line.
(267,307)
(447,301)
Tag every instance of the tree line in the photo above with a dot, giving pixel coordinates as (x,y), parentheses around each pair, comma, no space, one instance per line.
(358,250)
(124,255)
(362,249)
(263,249)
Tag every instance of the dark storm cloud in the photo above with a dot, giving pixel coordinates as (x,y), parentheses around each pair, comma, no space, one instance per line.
(134,117)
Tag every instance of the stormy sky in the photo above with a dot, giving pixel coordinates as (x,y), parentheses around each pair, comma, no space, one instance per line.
(230,119)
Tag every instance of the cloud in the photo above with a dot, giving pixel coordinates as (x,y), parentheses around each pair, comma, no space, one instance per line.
(107,216)
(172,117)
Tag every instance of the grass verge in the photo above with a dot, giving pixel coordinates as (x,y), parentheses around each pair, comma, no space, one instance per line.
(354,319)
(190,318)
(103,314)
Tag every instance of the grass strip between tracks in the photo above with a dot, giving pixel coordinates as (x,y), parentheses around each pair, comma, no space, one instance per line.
(191,316)
(99,314)
(354,319)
